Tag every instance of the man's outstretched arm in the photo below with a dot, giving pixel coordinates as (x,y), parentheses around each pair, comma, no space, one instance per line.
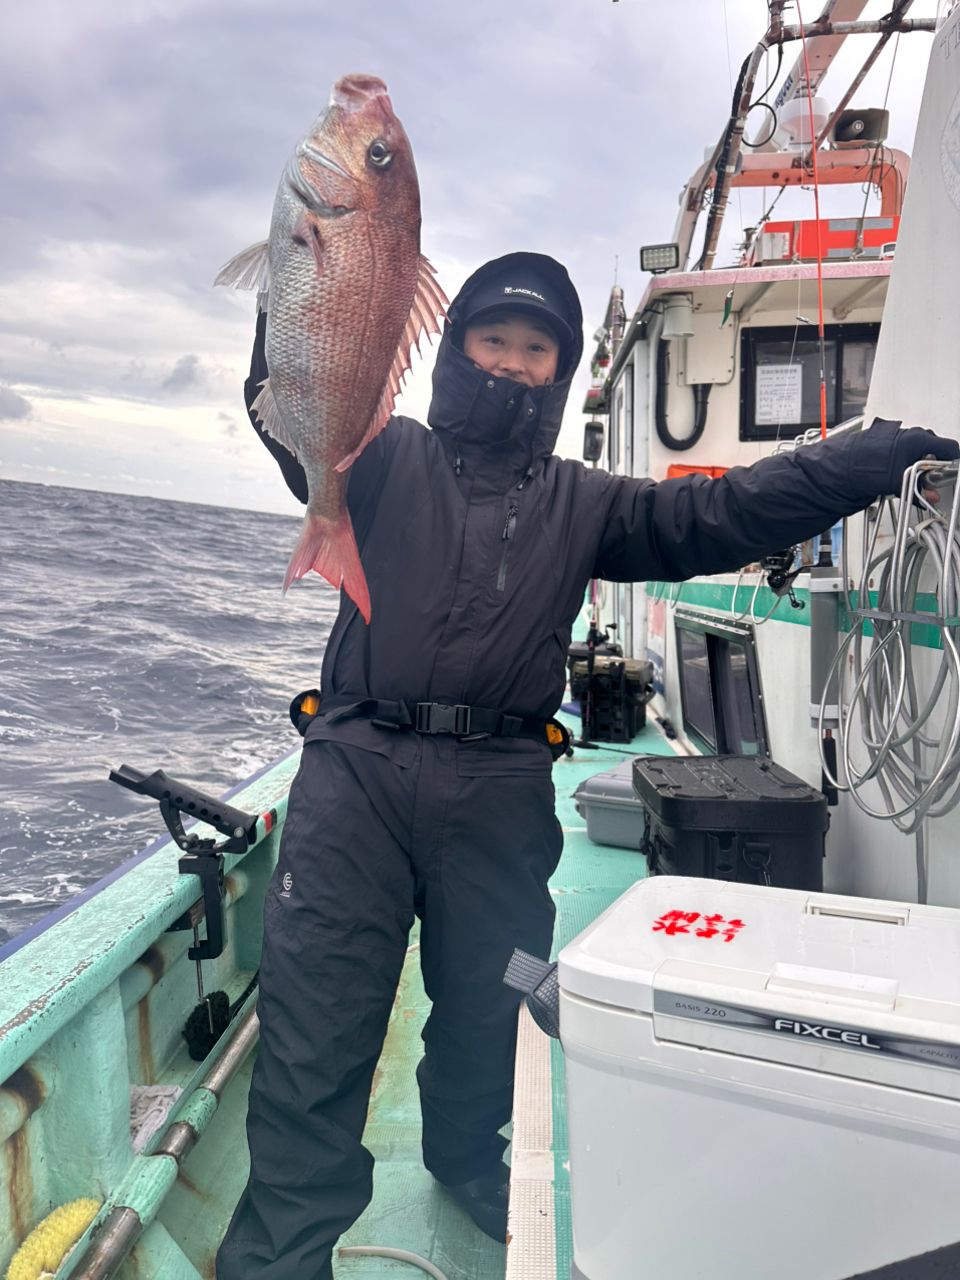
(691,525)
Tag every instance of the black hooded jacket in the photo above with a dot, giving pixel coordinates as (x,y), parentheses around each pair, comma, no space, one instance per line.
(478,543)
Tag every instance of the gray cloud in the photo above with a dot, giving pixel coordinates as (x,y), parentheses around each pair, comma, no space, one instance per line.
(143,145)
(483,113)
(13,406)
(140,138)
(187,373)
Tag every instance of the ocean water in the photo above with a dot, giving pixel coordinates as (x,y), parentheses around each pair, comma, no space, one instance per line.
(141,632)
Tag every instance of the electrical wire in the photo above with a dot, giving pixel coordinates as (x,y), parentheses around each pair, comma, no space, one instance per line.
(739,617)
(816,203)
(721,163)
(903,715)
(758,622)
(398,1255)
(762,102)
(726,30)
(749,613)
(773,127)
(773,79)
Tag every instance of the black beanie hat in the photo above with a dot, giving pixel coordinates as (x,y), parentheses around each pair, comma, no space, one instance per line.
(520,287)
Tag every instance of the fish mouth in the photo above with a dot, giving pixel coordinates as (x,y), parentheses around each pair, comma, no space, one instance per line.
(352,92)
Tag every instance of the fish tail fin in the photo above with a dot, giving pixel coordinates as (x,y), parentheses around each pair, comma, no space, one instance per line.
(329,548)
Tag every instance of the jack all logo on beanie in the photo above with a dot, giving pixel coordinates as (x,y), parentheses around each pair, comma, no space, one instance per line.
(523,290)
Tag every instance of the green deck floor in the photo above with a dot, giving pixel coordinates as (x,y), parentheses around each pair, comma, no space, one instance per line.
(408,1210)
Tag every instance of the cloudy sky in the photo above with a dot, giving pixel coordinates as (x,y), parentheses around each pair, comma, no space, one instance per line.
(143,144)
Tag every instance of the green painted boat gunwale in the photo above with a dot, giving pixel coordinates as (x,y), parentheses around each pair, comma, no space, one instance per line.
(44,986)
(731,599)
(93,1005)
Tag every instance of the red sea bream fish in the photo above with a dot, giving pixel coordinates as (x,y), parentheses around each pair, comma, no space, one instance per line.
(347,296)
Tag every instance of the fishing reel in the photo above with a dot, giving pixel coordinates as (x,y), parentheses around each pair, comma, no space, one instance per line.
(780,573)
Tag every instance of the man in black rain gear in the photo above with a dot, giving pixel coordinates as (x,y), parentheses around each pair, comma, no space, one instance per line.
(425,783)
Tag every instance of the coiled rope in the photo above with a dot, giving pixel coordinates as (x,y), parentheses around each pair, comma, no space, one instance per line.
(904,720)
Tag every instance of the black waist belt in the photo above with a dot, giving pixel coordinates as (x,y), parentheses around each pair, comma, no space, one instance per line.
(441,717)
(420,717)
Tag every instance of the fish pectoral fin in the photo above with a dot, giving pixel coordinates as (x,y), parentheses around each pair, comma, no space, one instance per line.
(248,270)
(265,407)
(429,303)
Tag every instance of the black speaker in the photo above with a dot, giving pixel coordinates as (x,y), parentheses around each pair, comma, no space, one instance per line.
(861,128)
(593,441)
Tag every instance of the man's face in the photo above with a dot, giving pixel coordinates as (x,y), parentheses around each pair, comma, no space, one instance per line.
(512,345)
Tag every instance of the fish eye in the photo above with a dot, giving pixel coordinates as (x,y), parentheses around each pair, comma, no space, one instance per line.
(379,153)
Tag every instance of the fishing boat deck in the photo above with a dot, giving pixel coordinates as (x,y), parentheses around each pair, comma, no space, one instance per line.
(117,978)
(408,1210)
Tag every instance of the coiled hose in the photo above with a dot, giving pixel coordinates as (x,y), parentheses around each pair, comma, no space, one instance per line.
(906,724)
(701,399)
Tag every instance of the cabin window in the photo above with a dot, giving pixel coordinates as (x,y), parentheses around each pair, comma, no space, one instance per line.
(780,377)
(857,372)
(720,687)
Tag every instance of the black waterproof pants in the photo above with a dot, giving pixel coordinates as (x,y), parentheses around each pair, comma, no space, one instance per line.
(463,835)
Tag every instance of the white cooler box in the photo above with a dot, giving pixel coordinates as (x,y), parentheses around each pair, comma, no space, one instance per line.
(761,1083)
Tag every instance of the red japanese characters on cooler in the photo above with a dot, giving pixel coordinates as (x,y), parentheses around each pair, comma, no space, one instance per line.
(760,1082)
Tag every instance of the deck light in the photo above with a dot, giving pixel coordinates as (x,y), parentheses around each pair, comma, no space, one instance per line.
(657,258)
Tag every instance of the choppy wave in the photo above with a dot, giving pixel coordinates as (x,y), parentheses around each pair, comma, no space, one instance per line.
(134,631)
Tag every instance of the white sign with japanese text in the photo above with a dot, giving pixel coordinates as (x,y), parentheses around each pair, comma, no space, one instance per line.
(779,394)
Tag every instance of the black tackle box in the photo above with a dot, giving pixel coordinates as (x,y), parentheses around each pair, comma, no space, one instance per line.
(619,688)
(731,818)
(579,651)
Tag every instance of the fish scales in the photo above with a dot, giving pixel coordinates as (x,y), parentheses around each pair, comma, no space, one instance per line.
(346,292)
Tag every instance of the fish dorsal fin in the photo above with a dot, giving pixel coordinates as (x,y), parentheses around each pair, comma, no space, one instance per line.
(265,407)
(429,303)
(248,270)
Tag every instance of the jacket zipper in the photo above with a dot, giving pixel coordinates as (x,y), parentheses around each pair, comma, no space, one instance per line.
(509,528)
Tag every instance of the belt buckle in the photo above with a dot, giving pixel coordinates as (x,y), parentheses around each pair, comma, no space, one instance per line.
(442,717)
